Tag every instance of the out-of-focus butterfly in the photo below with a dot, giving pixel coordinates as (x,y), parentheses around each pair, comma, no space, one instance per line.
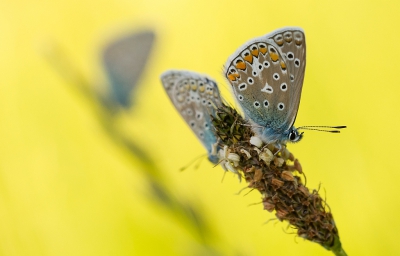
(124,60)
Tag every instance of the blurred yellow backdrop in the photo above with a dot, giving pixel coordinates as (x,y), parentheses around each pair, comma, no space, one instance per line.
(67,189)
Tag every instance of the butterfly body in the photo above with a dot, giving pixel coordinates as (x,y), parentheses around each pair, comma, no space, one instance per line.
(267,75)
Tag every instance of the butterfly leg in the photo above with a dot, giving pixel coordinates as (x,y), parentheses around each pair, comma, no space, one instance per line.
(279,147)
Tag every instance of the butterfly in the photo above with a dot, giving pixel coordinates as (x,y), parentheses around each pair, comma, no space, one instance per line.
(124,61)
(266,75)
(196,97)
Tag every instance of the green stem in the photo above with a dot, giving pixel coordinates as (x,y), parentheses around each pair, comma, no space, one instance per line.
(339,252)
(337,248)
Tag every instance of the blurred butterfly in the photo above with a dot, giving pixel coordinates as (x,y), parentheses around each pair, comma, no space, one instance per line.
(124,61)
(196,97)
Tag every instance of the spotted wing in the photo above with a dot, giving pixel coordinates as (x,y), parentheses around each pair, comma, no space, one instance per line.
(259,73)
(124,61)
(292,44)
(195,97)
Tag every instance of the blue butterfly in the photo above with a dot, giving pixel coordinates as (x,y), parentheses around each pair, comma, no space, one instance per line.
(124,60)
(196,97)
(267,75)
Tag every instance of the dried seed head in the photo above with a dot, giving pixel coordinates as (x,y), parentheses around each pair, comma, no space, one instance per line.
(257,150)
(304,190)
(248,156)
(266,156)
(268,206)
(272,147)
(278,161)
(286,175)
(285,153)
(298,166)
(233,157)
(277,183)
(280,186)
(256,141)
(231,168)
(281,214)
(251,169)
(257,175)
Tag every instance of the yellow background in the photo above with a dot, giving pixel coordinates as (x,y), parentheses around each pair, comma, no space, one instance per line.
(67,189)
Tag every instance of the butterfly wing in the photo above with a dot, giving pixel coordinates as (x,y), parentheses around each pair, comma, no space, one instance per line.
(291,42)
(124,61)
(266,83)
(195,97)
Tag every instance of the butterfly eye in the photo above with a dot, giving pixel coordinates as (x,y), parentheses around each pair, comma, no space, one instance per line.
(292,135)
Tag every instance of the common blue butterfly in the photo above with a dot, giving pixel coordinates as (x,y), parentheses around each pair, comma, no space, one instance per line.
(124,61)
(196,97)
(267,75)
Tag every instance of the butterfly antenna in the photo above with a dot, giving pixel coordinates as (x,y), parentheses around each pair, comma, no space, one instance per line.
(334,129)
(223,176)
(198,163)
(192,162)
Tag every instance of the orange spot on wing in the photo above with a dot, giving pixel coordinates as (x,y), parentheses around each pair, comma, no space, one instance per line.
(255,52)
(274,56)
(248,58)
(263,50)
(240,65)
(283,65)
(232,77)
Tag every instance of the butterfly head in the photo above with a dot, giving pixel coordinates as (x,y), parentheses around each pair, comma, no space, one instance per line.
(293,135)
(270,135)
